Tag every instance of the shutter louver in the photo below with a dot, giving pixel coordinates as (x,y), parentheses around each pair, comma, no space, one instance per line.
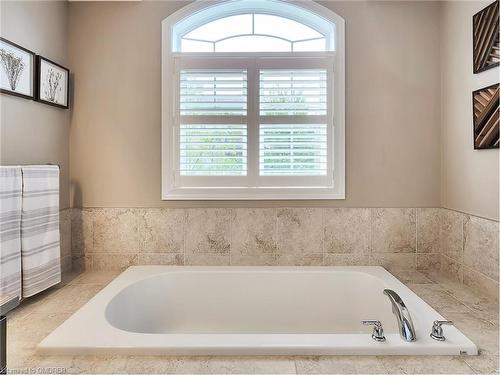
(297,148)
(210,145)
(213,150)
(300,92)
(213,92)
(293,150)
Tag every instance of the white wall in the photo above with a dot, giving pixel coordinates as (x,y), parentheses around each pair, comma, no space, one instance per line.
(392,114)
(469,178)
(31,132)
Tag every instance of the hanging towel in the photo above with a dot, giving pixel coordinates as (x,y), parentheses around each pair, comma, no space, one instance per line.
(40,249)
(10,237)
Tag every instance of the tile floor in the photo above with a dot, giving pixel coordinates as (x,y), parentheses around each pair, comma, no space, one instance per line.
(475,315)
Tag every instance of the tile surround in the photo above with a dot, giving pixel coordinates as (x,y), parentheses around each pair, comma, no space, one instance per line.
(470,250)
(451,233)
(393,230)
(347,230)
(65,240)
(481,238)
(254,233)
(459,245)
(300,236)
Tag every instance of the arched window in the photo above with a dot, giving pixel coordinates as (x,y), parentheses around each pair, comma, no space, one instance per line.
(253,101)
(253,32)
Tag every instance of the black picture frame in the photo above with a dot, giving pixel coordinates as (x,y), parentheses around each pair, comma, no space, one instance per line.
(485,118)
(485,36)
(38,86)
(33,74)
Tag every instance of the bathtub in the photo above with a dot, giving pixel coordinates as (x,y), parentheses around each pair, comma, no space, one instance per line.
(166,310)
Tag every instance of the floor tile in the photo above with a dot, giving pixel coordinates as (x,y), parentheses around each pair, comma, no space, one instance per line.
(340,365)
(483,364)
(425,365)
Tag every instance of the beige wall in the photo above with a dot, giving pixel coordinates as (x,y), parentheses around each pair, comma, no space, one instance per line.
(30,132)
(469,177)
(392,120)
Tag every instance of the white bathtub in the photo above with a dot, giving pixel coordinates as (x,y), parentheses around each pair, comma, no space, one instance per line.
(164,310)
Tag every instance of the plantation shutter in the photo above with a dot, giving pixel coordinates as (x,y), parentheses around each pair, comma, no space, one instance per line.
(293,129)
(213,129)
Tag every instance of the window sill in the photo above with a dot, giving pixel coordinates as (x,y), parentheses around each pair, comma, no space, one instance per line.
(274,193)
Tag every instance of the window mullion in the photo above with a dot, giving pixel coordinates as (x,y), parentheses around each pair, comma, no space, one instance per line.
(252,123)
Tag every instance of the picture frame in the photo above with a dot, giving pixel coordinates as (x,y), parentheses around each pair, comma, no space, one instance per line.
(17,70)
(486,116)
(486,38)
(52,83)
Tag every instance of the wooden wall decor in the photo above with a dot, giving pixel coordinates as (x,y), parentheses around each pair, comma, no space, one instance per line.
(486,38)
(486,117)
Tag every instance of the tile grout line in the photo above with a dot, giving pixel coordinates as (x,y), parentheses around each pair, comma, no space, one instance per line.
(370,252)
(416,237)
(322,236)
(295,364)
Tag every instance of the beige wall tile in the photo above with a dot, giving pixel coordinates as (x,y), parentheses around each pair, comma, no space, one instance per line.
(78,264)
(393,261)
(481,246)
(208,230)
(346,230)
(452,233)
(113,261)
(119,230)
(82,232)
(300,259)
(412,277)
(66,264)
(346,259)
(428,261)
(254,232)
(452,268)
(117,238)
(428,230)
(393,230)
(165,230)
(207,259)
(300,235)
(480,282)
(65,232)
(254,260)
(165,259)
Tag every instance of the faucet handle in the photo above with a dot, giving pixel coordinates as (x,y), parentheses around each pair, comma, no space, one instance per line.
(378,331)
(437,329)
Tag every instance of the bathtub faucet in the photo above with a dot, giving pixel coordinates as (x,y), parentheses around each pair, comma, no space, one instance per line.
(406,329)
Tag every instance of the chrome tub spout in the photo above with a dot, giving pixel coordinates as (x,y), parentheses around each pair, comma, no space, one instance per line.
(406,329)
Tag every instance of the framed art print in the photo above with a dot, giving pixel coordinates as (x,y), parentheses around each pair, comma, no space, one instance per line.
(486,38)
(485,104)
(52,83)
(16,70)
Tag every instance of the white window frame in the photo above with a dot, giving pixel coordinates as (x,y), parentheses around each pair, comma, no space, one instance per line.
(174,187)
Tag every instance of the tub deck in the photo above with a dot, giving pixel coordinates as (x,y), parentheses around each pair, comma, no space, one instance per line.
(168,310)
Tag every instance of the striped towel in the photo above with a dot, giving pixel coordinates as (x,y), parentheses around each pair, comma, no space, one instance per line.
(10,237)
(41,256)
